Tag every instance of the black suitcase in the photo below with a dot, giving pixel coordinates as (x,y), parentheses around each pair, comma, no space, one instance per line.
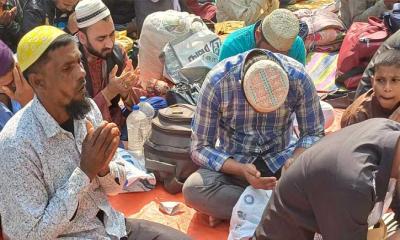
(167,151)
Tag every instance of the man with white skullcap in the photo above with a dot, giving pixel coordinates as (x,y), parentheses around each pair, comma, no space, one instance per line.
(109,73)
(277,32)
(242,129)
(61,156)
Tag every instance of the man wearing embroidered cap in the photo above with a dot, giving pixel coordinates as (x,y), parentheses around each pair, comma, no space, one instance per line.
(61,161)
(109,73)
(242,132)
(278,32)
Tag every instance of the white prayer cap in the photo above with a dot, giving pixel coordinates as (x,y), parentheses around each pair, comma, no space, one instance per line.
(89,12)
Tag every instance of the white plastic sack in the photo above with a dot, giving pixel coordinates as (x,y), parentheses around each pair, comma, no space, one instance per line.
(247,213)
(137,178)
(195,53)
(158,29)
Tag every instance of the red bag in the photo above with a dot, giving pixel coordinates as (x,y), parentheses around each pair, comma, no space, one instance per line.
(360,44)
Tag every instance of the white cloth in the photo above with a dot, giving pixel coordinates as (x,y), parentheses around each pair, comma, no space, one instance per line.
(249,11)
(381,208)
(44,193)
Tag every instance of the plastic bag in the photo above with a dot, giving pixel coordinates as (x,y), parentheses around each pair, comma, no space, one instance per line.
(137,178)
(247,213)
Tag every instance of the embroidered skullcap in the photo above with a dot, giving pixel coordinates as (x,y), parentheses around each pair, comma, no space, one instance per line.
(6,58)
(265,85)
(35,43)
(280,29)
(89,12)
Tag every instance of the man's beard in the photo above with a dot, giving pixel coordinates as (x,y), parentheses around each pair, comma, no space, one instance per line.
(96,53)
(77,109)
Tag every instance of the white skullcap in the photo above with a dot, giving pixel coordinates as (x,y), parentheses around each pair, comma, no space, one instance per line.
(89,12)
(280,28)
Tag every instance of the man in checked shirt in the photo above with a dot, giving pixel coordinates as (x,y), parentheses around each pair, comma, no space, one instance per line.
(242,130)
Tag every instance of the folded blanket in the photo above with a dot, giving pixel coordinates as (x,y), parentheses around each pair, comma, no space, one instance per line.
(321,67)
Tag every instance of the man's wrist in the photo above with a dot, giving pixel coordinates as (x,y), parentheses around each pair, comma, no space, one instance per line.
(108,94)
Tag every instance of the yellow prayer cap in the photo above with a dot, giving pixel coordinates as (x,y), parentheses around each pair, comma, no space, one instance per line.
(34,44)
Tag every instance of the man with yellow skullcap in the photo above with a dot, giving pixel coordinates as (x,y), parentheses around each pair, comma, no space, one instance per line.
(277,32)
(241,132)
(61,161)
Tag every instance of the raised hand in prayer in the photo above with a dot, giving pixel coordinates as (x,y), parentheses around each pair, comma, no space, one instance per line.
(98,149)
(122,84)
(72,24)
(7,16)
(23,92)
(253,177)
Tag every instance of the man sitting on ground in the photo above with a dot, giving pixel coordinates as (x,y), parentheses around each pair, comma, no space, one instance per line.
(109,74)
(339,187)
(242,128)
(384,97)
(59,154)
(40,12)
(278,33)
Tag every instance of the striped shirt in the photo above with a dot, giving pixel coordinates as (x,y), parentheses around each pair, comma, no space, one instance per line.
(225,125)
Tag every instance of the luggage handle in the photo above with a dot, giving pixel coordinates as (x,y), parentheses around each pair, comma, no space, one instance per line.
(377,22)
(181,105)
(175,112)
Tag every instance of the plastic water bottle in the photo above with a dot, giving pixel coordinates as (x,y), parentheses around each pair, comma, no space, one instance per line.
(149,111)
(146,107)
(136,124)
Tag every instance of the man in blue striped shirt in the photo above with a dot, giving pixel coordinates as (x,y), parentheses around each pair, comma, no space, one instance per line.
(235,145)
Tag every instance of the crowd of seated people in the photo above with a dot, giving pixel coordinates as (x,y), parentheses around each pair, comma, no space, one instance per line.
(66,84)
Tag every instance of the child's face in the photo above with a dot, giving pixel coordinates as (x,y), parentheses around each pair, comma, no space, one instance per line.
(7,80)
(386,85)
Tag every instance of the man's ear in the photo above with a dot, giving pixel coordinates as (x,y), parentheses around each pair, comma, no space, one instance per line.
(258,34)
(36,80)
(82,38)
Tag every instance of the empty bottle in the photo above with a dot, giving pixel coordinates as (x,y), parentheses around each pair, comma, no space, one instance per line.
(147,109)
(137,127)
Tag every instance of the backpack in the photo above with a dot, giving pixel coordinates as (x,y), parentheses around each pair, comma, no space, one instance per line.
(167,151)
(361,42)
(392,19)
(325,30)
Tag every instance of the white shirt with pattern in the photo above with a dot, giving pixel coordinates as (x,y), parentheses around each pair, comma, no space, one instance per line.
(44,193)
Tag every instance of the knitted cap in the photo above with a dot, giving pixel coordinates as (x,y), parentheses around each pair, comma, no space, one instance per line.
(6,58)
(89,12)
(34,44)
(280,29)
(265,86)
